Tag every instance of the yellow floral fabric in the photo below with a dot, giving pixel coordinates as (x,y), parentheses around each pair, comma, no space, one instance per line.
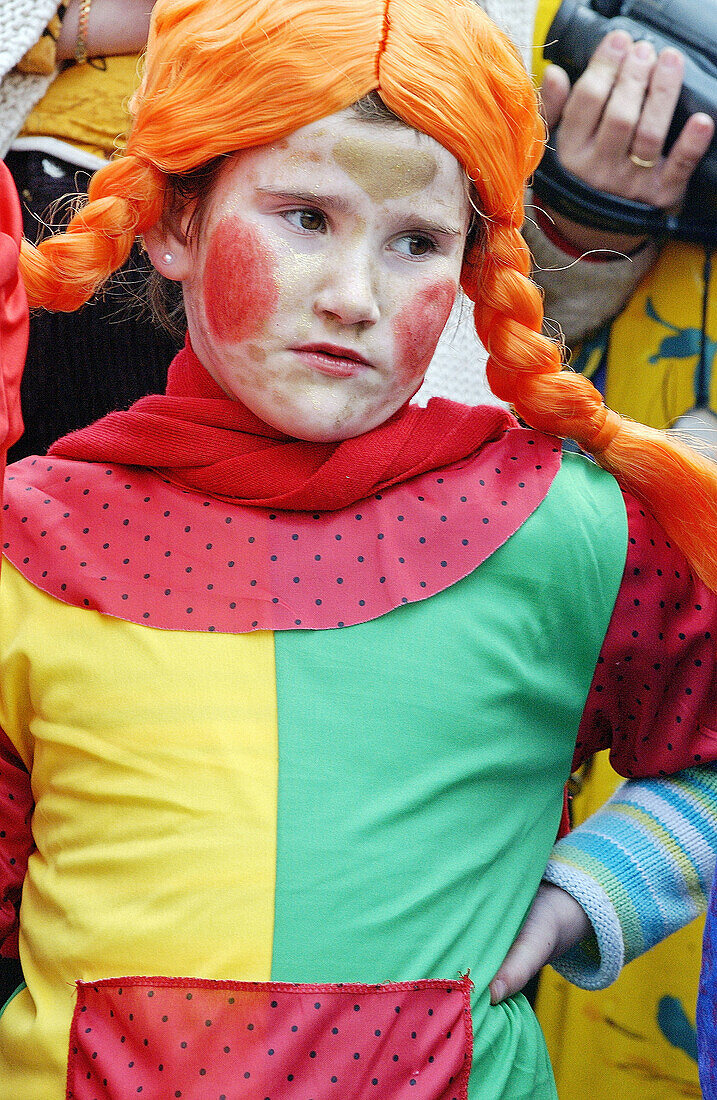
(86,106)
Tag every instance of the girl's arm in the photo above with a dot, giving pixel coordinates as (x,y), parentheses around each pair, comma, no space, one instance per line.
(113,27)
(642,866)
(632,874)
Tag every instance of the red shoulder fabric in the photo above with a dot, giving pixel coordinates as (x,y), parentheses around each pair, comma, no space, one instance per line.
(198,438)
(16,843)
(14,323)
(653,698)
(122,541)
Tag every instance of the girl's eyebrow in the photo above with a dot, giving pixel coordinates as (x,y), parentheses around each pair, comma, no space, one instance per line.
(429,225)
(330,202)
(342,205)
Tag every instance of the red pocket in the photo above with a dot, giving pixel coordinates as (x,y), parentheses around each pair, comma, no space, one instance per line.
(166,1038)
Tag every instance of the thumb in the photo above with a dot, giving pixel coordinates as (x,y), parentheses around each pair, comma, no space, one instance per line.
(554,93)
(530,951)
(554,923)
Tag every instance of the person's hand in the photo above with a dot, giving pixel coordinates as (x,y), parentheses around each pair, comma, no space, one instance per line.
(612,128)
(554,924)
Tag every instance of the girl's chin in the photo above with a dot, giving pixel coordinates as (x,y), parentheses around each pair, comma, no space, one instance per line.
(330,424)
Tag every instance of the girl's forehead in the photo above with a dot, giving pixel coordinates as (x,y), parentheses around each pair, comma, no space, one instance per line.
(386,160)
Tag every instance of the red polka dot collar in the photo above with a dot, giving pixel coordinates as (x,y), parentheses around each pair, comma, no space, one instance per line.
(123,541)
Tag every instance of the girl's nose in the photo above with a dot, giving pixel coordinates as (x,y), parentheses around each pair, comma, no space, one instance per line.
(349,293)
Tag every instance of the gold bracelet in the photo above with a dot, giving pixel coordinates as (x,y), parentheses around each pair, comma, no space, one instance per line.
(82,23)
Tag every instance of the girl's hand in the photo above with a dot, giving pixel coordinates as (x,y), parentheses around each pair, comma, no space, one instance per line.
(554,924)
(613,125)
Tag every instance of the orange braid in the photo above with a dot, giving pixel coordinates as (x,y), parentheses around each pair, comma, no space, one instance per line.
(675,483)
(64,271)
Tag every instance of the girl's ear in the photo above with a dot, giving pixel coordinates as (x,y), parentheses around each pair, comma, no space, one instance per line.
(169,249)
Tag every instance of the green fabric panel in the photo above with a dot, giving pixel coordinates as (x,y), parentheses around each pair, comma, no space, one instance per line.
(422,758)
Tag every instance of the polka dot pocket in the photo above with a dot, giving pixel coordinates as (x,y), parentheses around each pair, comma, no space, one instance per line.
(164,1038)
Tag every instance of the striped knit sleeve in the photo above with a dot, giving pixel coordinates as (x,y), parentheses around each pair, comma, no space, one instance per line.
(641,868)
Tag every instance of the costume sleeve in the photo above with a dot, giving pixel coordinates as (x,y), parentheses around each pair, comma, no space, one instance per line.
(652,699)
(641,868)
(581,294)
(16,805)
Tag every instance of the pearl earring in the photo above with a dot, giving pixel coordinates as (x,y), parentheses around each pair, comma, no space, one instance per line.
(168,257)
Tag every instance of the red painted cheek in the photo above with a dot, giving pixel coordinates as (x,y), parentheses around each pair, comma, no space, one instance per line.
(240,290)
(418,327)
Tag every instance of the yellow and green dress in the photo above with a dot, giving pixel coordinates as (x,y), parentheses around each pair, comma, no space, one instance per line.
(277,787)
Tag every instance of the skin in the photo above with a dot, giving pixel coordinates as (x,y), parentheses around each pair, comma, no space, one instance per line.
(555,923)
(114,27)
(623,103)
(319,282)
(366,164)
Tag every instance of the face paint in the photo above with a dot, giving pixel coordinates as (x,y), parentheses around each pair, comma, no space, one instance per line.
(324,272)
(239,286)
(419,326)
(365,162)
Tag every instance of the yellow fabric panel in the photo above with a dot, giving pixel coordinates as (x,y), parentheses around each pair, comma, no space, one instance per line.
(609,1044)
(654,343)
(544,16)
(154,760)
(87,106)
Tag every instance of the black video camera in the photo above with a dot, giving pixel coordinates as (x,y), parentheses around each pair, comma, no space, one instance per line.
(691,27)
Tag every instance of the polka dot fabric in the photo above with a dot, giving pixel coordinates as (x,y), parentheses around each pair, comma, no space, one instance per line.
(16,806)
(185,1038)
(654,697)
(123,541)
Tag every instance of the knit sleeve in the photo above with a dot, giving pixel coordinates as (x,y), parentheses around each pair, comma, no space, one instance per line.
(652,700)
(641,868)
(16,844)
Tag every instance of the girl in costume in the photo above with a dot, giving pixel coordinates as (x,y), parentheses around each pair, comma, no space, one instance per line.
(293,673)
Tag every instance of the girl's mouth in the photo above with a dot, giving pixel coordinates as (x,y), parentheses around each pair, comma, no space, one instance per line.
(332,359)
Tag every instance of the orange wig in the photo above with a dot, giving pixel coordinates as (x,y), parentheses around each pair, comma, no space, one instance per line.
(224,75)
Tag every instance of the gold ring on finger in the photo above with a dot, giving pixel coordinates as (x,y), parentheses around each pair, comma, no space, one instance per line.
(640,163)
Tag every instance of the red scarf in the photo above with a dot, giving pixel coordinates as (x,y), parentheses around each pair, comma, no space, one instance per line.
(197,437)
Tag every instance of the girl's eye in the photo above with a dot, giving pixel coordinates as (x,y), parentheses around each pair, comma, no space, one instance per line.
(415,244)
(311,221)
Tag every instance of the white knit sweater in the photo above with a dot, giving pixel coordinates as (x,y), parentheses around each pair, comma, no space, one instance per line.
(23,22)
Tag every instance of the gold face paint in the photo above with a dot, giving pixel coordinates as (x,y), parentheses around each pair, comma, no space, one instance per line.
(366,163)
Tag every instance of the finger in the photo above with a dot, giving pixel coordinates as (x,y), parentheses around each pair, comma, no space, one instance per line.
(684,156)
(584,108)
(659,106)
(555,922)
(525,958)
(616,131)
(554,92)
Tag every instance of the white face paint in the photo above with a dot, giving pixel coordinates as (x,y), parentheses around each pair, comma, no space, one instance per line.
(325,271)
